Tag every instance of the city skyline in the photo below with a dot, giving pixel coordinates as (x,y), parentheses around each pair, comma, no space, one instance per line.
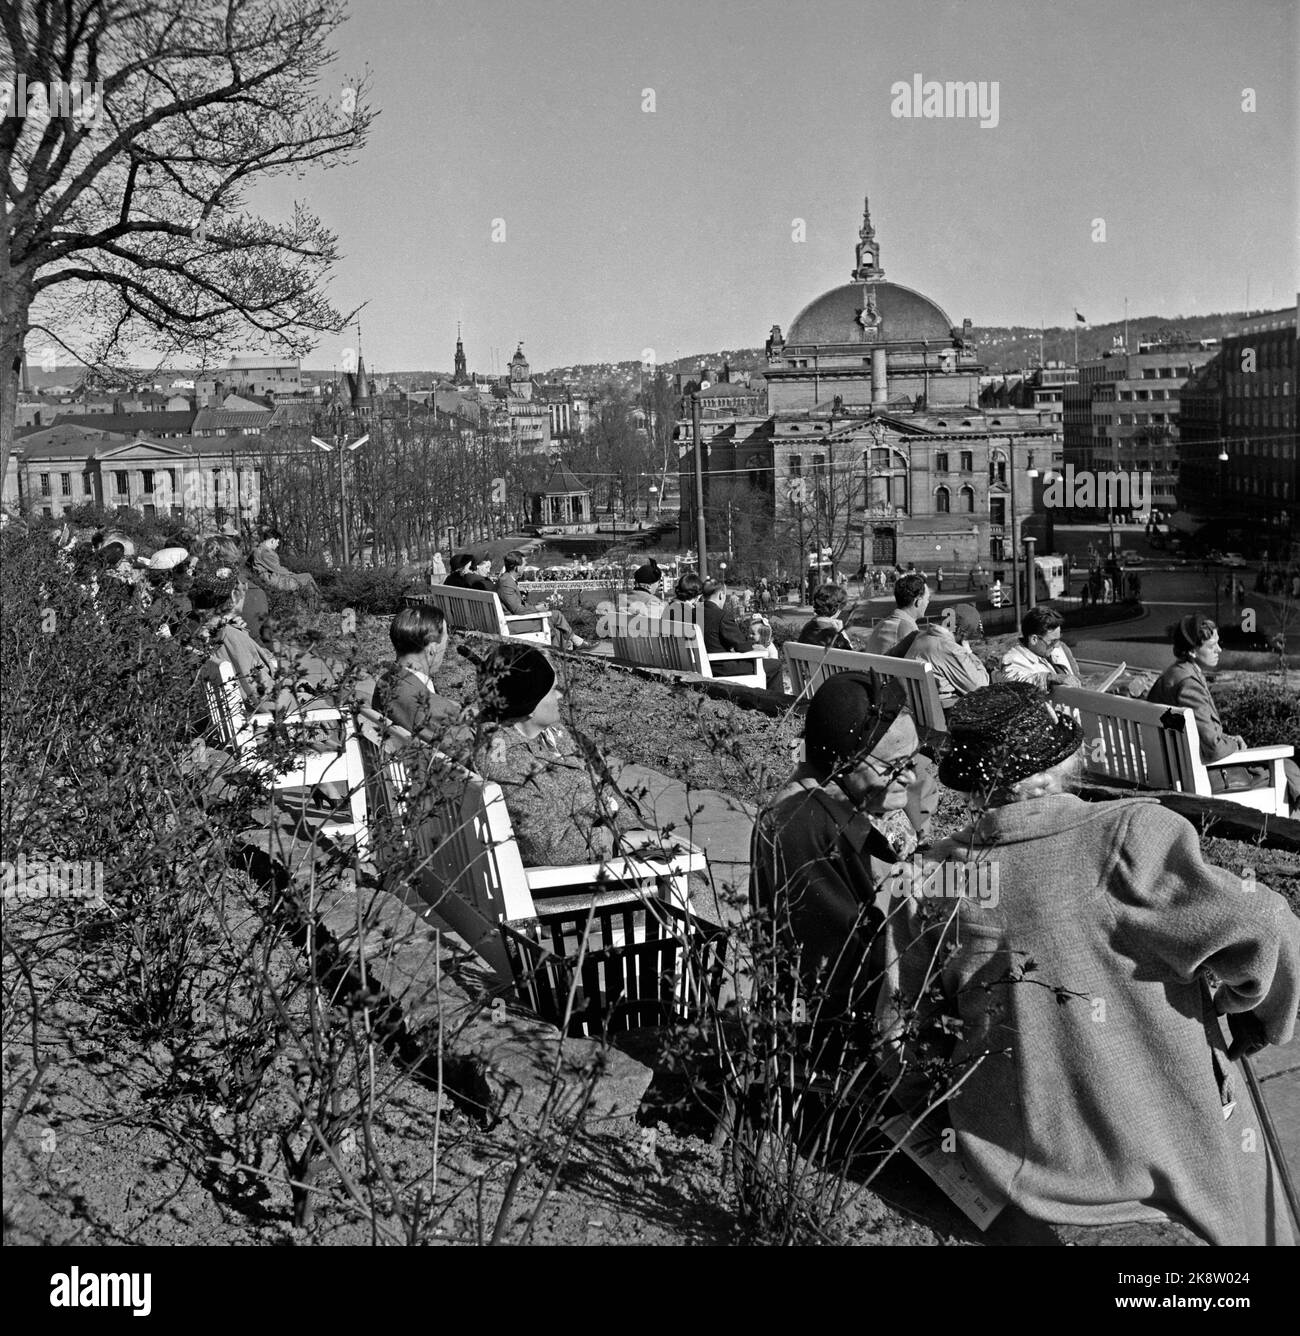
(529,120)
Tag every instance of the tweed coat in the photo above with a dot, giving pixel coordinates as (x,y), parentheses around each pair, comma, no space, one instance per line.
(1108,1108)
(411,701)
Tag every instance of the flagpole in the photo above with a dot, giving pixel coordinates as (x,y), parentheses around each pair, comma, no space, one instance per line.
(1126,324)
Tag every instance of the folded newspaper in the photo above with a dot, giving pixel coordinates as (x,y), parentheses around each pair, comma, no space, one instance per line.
(934,1151)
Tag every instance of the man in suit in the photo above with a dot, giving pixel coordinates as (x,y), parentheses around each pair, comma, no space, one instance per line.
(911,597)
(722,635)
(1041,657)
(405,692)
(465,573)
(512,601)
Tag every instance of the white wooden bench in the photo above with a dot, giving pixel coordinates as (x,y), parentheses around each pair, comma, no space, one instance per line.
(674,642)
(811,665)
(470,871)
(481,610)
(239,732)
(1137,743)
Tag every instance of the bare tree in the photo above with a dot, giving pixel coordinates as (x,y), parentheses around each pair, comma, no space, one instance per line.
(134,130)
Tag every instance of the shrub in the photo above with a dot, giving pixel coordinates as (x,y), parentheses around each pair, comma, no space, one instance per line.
(367,590)
(1264,713)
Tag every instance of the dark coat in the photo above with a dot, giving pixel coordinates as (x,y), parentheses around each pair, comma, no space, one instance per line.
(722,635)
(508,592)
(458,580)
(1183,684)
(407,701)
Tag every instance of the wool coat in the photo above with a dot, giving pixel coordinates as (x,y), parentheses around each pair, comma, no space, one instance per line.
(1108,1107)
(890,630)
(409,699)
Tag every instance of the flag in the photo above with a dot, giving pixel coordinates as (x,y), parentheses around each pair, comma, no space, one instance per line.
(1082,319)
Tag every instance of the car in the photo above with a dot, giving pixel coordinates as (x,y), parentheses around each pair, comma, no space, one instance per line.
(1233,559)
(1130,558)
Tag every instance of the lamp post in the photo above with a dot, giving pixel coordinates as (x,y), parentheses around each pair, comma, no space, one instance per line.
(652,493)
(1015,535)
(343,495)
(700,536)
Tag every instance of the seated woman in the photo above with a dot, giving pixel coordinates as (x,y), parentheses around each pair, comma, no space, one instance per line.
(219,631)
(224,550)
(1196,647)
(405,693)
(465,568)
(563,802)
(1117,1102)
(825,627)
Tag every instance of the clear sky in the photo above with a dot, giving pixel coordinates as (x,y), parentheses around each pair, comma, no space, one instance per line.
(672,229)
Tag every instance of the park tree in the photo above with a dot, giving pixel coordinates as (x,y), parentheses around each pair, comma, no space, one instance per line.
(134,130)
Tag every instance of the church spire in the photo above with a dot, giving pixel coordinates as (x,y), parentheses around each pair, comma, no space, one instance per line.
(866,265)
(461,376)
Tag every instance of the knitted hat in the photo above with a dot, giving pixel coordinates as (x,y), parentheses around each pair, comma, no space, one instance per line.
(513,681)
(212,586)
(1004,733)
(848,715)
(966,622)
(648,574)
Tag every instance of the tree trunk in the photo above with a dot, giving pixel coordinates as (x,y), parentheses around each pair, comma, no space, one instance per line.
(15,307)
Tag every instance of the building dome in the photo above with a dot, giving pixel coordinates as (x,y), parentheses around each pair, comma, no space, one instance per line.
(905,316)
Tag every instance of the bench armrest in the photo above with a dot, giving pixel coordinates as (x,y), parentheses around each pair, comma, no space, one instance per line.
(1253,754)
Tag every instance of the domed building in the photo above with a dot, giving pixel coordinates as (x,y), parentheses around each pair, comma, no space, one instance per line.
(876,445)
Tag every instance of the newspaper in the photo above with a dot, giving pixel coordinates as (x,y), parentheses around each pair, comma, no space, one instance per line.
(945,1169)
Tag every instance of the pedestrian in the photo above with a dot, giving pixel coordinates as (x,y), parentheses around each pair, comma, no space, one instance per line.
(938,577)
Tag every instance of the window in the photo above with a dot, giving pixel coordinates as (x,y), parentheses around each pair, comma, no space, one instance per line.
(45,484)
(1148,373)
(941,462)
(147,475)
(967,497)
(121,484)
(967,461)
(941,501)
(796,466)
(65,484)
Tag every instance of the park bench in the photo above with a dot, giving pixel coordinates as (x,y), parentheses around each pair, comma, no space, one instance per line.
(470,872)
(811,665)
(481,610)
(240,732)
(1136,744)
(674,643)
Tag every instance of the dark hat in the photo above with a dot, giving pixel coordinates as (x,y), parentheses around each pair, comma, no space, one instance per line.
(966,621)
(1004,733)
(648,574)
(513,680)
(212,586)
(848,715)
(461,560)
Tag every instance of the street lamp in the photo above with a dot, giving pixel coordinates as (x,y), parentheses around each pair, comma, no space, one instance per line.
(343,496)
(652,494)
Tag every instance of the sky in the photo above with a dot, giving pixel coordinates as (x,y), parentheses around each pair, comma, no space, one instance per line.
(674,229)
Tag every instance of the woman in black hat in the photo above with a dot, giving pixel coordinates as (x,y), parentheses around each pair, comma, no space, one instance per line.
(465,572)
(1196,650)
(564,805)
(217,595)
(1099,1088)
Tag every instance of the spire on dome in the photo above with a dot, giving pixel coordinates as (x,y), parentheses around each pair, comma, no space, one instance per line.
(866,263)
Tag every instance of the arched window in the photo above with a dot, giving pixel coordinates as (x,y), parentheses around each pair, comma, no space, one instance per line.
(998,467)
(966,497)
(887,481)
(941,501)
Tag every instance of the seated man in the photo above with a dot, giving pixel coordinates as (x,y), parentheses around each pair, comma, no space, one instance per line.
(1040,657)
(507,586)
(957,669)
(267,568)
(722,635)
(645,597)
(912,597)
(465,572)
(405,693)
(818,864)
